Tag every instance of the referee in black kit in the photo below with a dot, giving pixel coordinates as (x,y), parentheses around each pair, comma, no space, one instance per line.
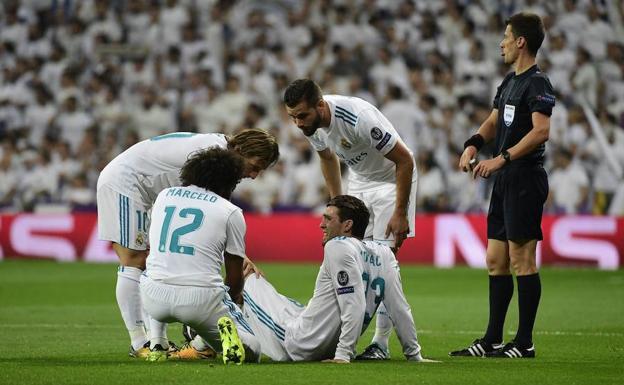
(519,124)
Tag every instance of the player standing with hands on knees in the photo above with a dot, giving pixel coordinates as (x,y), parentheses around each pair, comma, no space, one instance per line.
(382,169)
(519,124)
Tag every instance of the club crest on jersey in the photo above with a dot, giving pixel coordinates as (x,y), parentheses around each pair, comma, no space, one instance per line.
(376,133)
(344,143)
(343,278)
(508,114)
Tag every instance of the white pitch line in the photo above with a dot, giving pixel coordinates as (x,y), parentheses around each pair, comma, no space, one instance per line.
(538,332)
(422,331)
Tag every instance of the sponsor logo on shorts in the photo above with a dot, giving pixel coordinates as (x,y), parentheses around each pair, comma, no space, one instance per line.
(345,290)
(343,278)
(383,142)
(376,133)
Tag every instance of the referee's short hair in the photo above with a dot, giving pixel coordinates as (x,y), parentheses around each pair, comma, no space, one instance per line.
(214,169)
(350,207)
(529,26)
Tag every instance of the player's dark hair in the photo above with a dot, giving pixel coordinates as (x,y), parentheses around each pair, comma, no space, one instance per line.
(214,169)
(255,142)
(302,90)
(350,207)
(529,26)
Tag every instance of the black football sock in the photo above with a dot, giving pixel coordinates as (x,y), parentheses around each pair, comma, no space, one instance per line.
(529,293)
(501,291)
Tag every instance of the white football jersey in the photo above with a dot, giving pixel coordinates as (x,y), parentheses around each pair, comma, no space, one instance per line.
(150,166)
(354,278)
(360,136)
(191,228)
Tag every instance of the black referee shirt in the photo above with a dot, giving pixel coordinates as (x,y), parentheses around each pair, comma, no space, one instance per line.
(516,99)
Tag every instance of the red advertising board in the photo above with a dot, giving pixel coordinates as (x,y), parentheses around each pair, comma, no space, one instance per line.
(442,240)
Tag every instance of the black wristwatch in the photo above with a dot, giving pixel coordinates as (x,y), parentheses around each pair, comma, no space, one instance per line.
(506,156)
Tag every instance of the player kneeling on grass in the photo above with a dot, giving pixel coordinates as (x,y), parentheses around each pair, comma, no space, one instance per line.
(354,278)
(194,229)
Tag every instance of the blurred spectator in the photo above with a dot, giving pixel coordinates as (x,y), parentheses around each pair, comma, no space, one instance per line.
(585,80)
(569,185)
(78,193)
(9,178)
(153,116)
(605,178)
(97,76)
(431,184)
(72,122)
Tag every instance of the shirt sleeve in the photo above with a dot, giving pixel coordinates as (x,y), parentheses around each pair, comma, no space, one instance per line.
(541,96)
(235,234)
(375,130)
(342,266)
(318,140)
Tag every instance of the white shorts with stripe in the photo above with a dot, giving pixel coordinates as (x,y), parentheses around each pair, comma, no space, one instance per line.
(198,307)
(122,220)
(380,203)
(269,314)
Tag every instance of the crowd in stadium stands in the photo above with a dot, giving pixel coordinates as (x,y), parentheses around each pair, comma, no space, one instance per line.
(81,81)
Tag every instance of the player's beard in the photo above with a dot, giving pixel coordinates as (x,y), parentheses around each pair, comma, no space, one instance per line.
(311,129)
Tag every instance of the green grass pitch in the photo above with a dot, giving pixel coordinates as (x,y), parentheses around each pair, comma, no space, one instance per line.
(59,324)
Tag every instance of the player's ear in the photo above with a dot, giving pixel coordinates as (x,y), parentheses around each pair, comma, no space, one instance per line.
(348,225)
(319,105)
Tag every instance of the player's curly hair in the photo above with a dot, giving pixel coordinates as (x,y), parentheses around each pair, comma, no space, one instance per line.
(302,90)
(255,142)
(350,207)
(214,169)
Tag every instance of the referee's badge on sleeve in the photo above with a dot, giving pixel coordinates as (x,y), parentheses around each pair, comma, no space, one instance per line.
(508,114)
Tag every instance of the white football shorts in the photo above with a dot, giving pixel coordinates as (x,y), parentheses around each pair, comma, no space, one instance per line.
(380,203)
(122,220)
(198,307)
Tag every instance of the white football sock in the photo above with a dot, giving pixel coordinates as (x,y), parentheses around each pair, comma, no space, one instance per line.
(383,327)
(158,333)
(129,301)
(199,343)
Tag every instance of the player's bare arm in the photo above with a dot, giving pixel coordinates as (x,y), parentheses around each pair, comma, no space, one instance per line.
(535,137)
(234,276)
(398,224)
(330,166)
(487,132)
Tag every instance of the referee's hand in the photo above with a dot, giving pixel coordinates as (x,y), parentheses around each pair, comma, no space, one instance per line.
(486,168)
(469,154)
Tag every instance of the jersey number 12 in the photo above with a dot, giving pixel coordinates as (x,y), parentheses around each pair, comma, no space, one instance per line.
(174,244)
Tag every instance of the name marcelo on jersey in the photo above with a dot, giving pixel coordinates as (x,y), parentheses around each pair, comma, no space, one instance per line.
(353,161)
(183,193)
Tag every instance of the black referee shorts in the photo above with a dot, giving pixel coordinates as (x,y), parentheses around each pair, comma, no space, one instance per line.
(517,203)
